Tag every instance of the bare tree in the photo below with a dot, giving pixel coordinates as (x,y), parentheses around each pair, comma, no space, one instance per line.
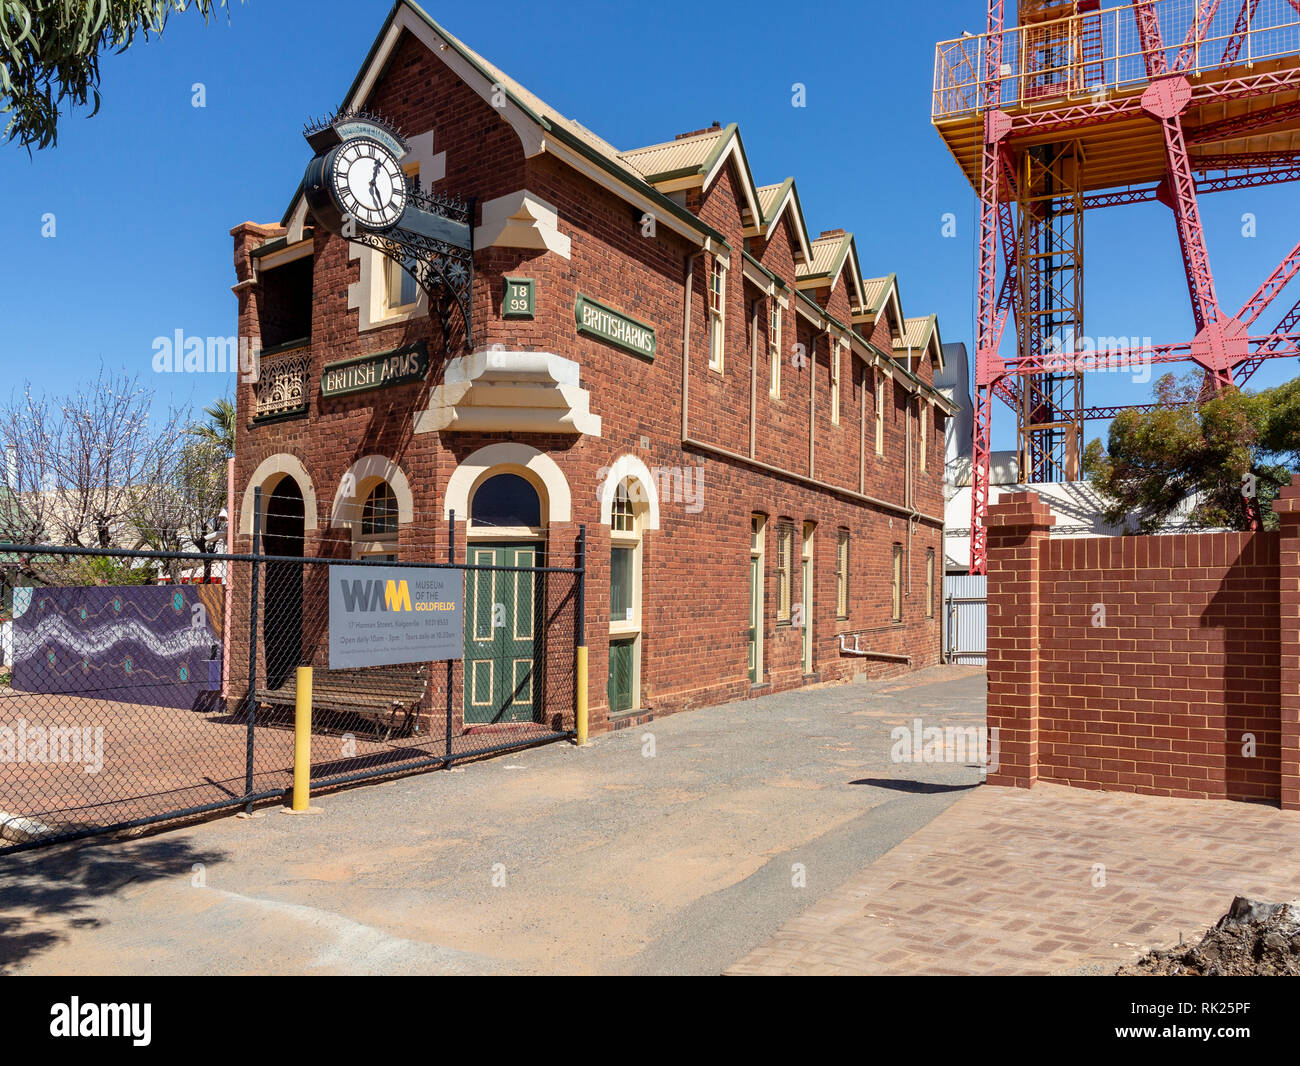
(79,464)
(179,508)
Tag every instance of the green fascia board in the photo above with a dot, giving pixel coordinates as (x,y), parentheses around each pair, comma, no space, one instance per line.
(891,282)
(852,246)
(767,273)
(634,182)
(776,203)
(273,245)
(800,294)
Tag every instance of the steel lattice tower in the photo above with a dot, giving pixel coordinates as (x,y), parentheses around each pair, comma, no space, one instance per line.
(1076,108)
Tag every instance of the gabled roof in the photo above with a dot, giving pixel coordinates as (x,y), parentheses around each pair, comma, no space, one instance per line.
(697,159)
(881,295)
(920,334)
(540,127)
(694,154)
(775,200)
(830,252)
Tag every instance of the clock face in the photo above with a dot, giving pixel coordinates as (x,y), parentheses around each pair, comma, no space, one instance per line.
(368,183)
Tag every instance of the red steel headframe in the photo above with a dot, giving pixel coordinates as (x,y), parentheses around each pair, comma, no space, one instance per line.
(1223,345)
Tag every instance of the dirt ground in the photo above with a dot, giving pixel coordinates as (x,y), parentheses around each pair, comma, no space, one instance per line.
(1252,939)
(673,847)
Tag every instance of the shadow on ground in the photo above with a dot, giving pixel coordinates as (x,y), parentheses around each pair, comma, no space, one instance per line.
(46,895)
(915,787)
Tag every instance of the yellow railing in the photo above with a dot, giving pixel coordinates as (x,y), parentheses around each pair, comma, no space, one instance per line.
(1101,52)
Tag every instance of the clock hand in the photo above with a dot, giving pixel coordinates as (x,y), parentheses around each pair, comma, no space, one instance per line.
(374,183)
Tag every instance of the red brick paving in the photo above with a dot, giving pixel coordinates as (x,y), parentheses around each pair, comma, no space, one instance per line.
(1002,883)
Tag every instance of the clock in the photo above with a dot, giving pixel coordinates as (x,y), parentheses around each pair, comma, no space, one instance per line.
(359,179)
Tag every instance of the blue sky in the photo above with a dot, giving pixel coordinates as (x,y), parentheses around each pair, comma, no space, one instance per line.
(145,193)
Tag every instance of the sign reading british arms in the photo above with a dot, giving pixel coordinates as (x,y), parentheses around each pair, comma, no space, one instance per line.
(396,367)
(614,327)
(386,615)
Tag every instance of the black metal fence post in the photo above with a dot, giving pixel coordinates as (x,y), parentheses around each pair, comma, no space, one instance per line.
(451,558)
(252,647)
(580,627)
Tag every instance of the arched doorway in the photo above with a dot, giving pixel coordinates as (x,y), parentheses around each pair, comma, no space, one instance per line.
(284,528)
(503,640)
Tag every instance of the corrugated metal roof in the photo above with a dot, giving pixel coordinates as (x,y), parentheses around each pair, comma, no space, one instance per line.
(916,332)
(874,291)
(687,154)
(769,196)
(827,254)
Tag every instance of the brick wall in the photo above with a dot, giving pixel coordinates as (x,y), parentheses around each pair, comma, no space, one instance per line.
(1166,665)
(696,565)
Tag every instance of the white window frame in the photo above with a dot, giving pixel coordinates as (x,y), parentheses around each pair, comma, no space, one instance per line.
(880,413)
(842,550)
(921,406)
(632,540)
(774,347)
(835,381)
(717,315)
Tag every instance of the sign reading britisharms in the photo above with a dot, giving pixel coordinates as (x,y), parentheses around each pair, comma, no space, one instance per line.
(382,616)
(597,320)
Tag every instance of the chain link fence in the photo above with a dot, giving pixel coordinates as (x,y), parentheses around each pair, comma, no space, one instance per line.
(144,687)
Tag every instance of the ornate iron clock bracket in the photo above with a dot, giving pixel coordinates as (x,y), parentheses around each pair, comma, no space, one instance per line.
(441,267)
(429,235)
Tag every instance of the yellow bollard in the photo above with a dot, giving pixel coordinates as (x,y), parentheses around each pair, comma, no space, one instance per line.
(302,742)
(582,694)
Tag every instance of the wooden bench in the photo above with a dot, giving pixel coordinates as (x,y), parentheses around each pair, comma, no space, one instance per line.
(379,694)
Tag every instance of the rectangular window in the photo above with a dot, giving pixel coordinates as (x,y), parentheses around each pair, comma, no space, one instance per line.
(774,347)
(717,313)
(400,292)
(896,584)
(922,409)
(842,575)
(835,381)
(621,574)
(929,583)
(784,570)
(880,414)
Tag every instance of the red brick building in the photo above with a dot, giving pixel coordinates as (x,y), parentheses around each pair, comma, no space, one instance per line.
(662,352)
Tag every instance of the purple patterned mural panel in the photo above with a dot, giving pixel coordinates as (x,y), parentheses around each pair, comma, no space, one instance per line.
(154,644)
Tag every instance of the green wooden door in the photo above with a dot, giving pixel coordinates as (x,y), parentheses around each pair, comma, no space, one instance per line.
(619,686)
(502,649)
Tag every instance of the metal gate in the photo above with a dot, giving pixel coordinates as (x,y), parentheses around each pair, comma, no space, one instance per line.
(965,619)
(152,686)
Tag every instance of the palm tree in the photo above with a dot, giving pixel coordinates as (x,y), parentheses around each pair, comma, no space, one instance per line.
(220,426)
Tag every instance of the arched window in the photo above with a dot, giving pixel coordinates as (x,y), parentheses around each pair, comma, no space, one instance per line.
(622,514)
(379,513)
(506,500)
